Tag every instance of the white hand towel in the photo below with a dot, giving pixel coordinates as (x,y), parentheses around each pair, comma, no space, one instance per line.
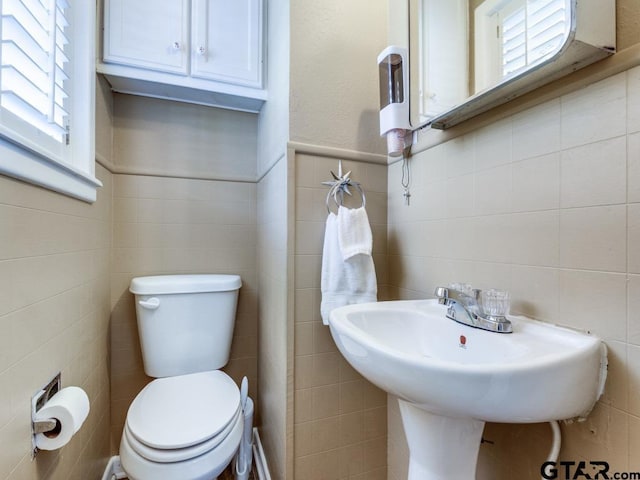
(344,282)
(354,232)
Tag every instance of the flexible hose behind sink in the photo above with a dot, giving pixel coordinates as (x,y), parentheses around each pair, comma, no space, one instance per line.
(555,445)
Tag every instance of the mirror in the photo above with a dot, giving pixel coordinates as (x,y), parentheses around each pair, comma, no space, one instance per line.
(467,56)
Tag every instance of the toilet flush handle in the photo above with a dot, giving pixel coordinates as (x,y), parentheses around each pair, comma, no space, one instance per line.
(150,304)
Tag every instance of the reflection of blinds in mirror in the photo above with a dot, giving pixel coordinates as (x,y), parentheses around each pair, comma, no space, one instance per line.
(531,32)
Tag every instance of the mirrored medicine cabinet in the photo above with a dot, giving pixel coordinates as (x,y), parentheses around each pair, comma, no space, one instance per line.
(468,56)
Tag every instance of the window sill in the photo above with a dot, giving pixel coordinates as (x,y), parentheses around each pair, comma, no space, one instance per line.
(19,163)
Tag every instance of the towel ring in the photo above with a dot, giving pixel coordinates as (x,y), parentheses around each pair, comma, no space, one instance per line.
(339,189)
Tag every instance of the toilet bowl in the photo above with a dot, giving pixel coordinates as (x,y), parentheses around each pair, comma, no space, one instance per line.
(183,427)
(187,424)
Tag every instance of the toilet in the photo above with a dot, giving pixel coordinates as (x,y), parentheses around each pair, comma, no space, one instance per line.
(187,423)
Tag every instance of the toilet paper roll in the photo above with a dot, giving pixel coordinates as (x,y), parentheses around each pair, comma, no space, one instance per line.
(70,408)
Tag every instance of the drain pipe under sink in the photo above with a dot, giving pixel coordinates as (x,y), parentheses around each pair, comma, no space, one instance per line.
(555,445)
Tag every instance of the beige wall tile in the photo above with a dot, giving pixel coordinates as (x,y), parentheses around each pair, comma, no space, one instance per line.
(536,132)
(460,155)
(633,309)
(595,302)
(325,401)
(536,183)
(617,386)
(633,106)
(374,455)
(303,405)
(536,292)
(54,318)
(373,396)
(594,113)
(634,444)
(594,238)
(595,174)
(633,240)
(322,339)
(375,423)
(352,396)
(493,145)
(434,166)
(304,339)
(491,240)
(633,357)
(182,139)
(309,237)
(533,238)
(351,461)
(493,191)
(604,435)
(351,428)
(633,167)
(332,394)
(304,304)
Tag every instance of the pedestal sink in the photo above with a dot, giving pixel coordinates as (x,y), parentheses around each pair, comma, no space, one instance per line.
(450,378)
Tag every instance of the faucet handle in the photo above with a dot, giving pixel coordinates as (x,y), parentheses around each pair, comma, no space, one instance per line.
(465,288)
(495,302)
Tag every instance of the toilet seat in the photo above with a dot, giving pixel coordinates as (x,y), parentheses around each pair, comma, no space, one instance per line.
(180,454)
(188,426)
(203,467)
(175,413)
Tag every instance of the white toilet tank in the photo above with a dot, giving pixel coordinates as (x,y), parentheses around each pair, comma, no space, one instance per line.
(185,322)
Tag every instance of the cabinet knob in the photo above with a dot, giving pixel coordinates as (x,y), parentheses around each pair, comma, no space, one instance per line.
(176,45)
(201,50)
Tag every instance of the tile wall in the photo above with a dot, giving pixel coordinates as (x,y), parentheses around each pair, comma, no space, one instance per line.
(54,316)
(545,204)
(340,428)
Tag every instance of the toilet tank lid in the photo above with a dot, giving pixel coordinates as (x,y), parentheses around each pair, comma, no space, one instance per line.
(197,283)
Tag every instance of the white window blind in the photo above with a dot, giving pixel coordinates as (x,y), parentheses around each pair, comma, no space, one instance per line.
(530,32)
(47,94)
(34,78)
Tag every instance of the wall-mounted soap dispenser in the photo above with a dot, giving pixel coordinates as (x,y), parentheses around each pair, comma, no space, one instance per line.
(393,66)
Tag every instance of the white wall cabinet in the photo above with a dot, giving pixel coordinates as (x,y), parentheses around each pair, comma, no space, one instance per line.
(140,34)
(199,51)
(226,41)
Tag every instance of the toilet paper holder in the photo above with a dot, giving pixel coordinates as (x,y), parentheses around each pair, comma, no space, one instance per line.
(45,426)
(38,400)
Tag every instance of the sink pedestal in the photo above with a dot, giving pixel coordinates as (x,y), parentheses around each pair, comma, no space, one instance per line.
(440,447)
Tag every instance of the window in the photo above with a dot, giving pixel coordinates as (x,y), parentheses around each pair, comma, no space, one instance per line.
(517,34)
(47,94)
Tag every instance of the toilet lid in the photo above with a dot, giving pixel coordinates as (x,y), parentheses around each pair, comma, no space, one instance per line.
(181,411)
(173,455)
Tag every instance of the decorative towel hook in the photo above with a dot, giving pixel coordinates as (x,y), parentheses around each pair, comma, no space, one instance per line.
(340,185)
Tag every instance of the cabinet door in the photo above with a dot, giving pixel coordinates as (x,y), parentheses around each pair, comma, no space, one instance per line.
(227,41)
(147,34)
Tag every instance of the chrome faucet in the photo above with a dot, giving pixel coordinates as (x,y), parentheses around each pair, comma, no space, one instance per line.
(465,308)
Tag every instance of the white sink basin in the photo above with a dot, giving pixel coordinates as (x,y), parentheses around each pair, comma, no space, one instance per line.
(451,378)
